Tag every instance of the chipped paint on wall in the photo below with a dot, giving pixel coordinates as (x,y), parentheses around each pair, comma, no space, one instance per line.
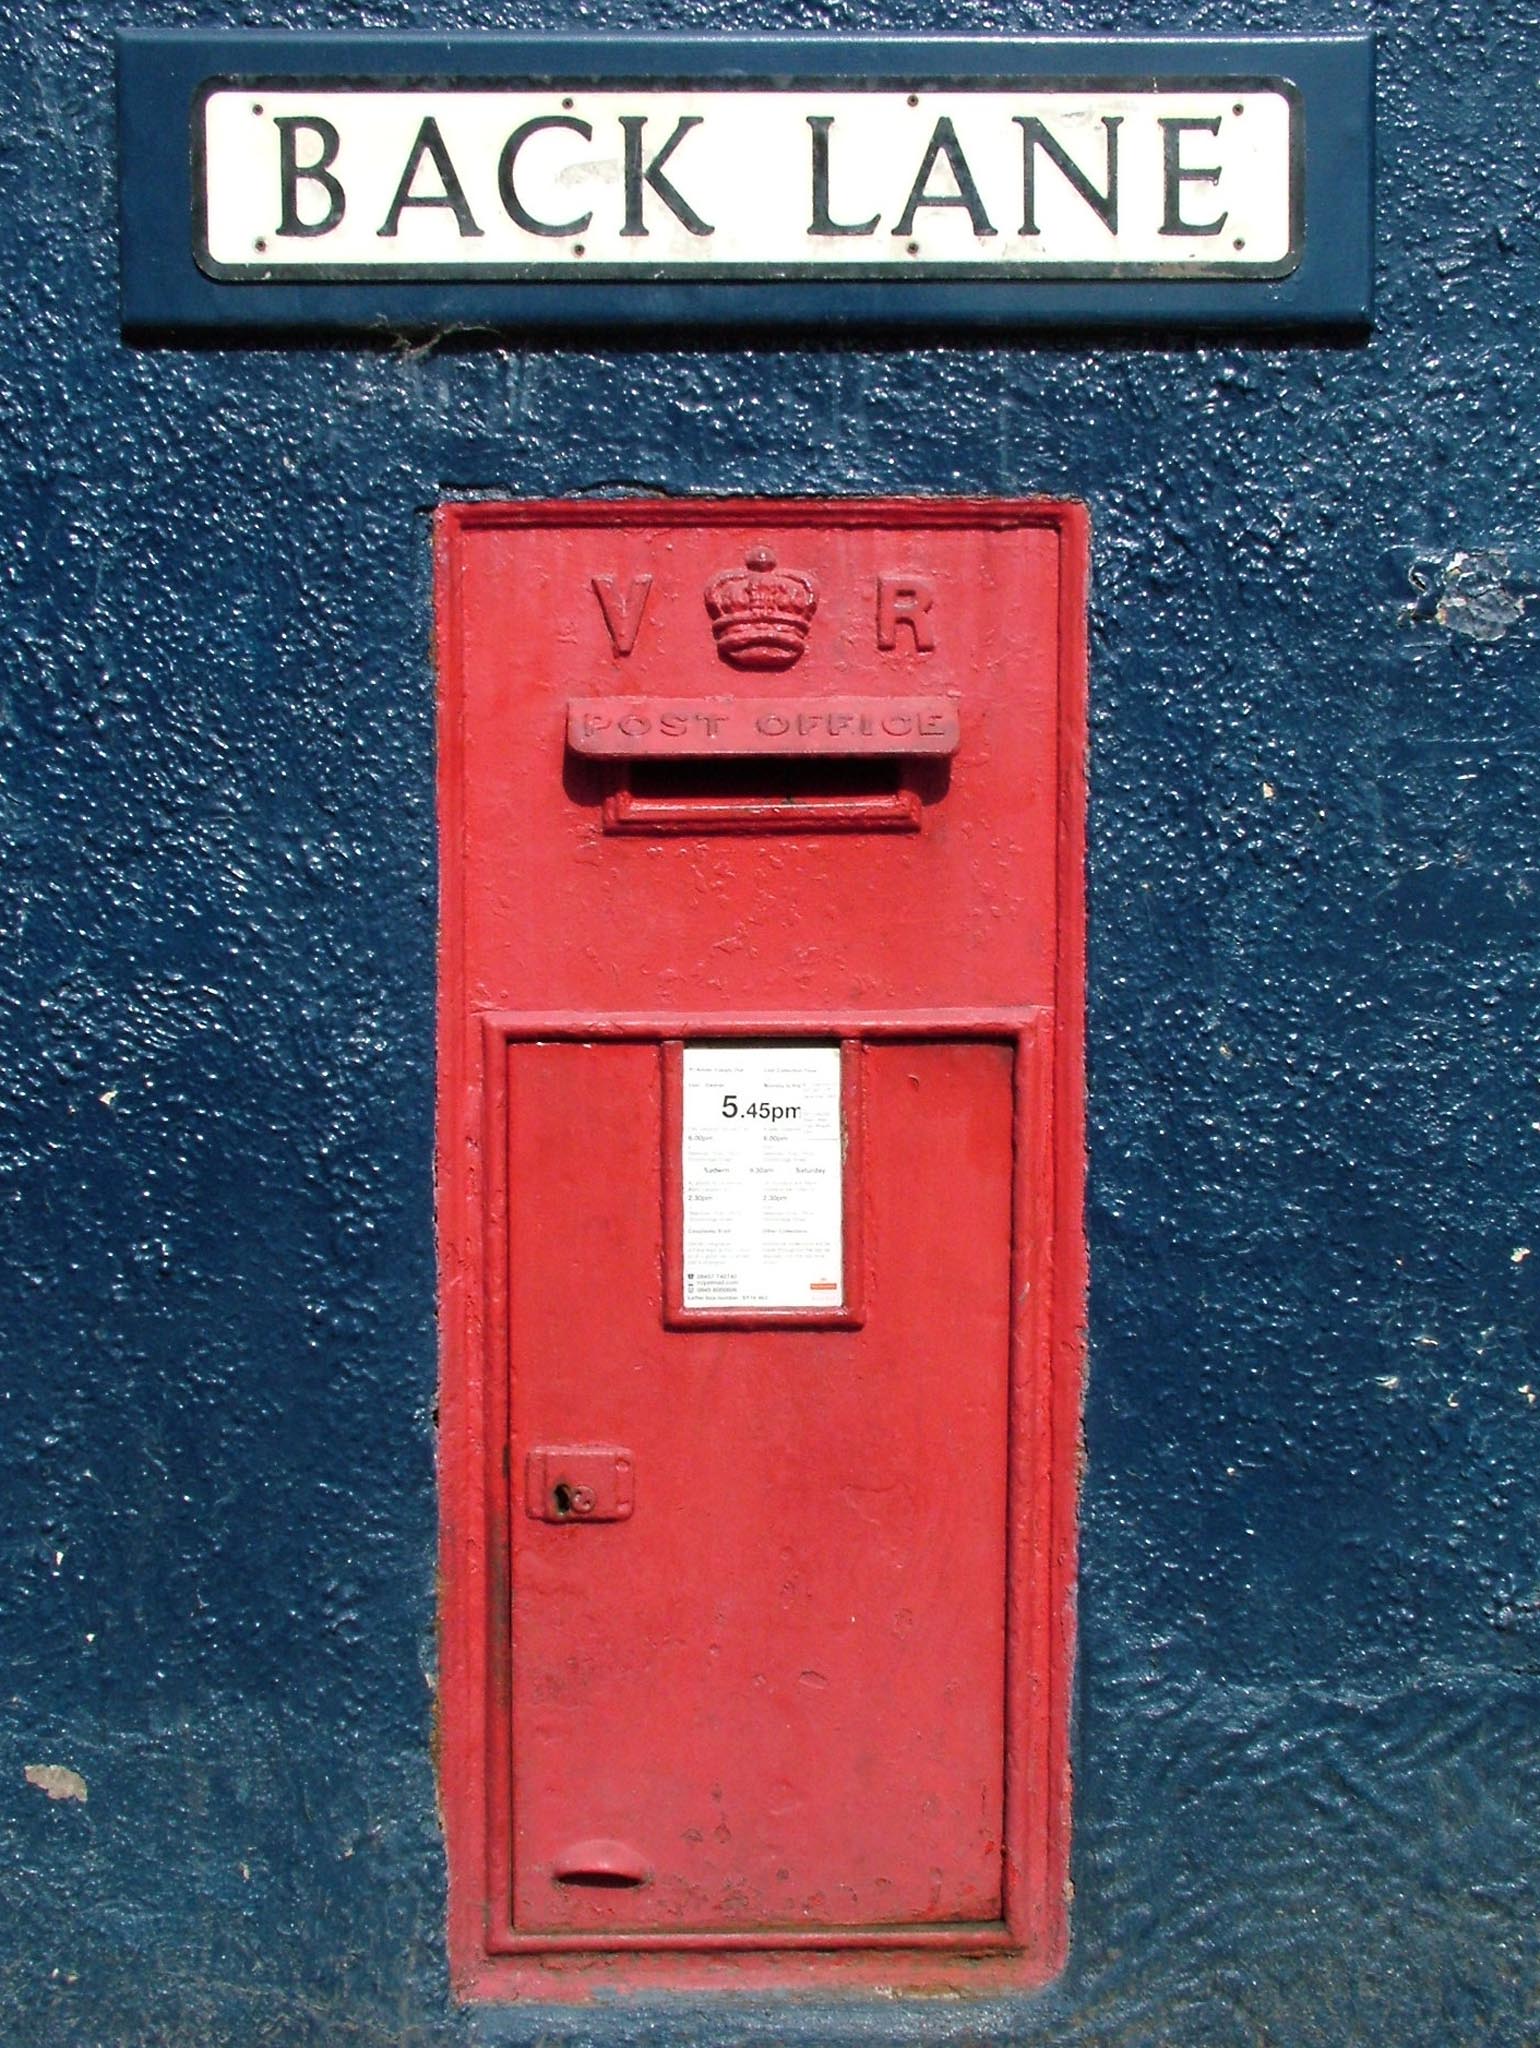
(57,1780)
(1471,592)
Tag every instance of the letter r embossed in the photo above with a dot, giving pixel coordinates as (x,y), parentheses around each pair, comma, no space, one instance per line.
(905,601)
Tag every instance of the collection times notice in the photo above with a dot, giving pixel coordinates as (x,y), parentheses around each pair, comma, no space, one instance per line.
(763,1177)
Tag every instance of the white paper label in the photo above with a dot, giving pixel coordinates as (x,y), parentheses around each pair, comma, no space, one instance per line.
(763,1177)
(1151,179)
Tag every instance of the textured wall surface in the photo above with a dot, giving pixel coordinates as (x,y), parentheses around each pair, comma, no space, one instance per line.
(1308,1732)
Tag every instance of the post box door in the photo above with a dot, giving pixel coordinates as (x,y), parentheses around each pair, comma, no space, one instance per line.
(748,1690)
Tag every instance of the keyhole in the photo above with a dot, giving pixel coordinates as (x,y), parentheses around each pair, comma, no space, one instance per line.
(568,1499)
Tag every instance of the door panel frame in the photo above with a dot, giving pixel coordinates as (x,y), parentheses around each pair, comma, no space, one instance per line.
(1043,1429)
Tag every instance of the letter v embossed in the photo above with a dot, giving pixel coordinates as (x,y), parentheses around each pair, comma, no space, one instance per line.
(622,615)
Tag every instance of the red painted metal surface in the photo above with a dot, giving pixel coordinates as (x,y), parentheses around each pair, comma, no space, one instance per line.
(784,1702)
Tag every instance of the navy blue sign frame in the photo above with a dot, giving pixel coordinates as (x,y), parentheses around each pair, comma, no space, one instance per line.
(163,77)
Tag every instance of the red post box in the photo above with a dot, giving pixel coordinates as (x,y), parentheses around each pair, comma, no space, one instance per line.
(760,1188)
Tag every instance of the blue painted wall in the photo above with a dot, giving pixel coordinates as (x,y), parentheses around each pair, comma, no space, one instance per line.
(1309,1717)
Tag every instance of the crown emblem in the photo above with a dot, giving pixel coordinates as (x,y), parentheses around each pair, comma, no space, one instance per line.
(759,613)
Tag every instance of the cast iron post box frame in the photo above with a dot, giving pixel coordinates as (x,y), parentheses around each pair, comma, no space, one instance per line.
(481,1030)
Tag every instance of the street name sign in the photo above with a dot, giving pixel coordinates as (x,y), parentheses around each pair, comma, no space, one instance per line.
(337,182)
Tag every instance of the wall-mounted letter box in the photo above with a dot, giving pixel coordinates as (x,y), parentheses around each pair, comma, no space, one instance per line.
(760,1184)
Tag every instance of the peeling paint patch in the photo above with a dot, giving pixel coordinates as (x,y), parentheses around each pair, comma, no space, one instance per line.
(1468,592)
(1476,601)
(57,1780)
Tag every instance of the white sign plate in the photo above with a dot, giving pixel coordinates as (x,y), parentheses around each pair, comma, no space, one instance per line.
(763,1177)
(450,180)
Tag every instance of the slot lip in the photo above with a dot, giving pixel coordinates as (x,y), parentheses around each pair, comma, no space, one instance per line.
(813,792)
(625,812)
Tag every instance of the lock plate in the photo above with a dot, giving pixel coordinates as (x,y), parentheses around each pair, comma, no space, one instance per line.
(578,1483)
